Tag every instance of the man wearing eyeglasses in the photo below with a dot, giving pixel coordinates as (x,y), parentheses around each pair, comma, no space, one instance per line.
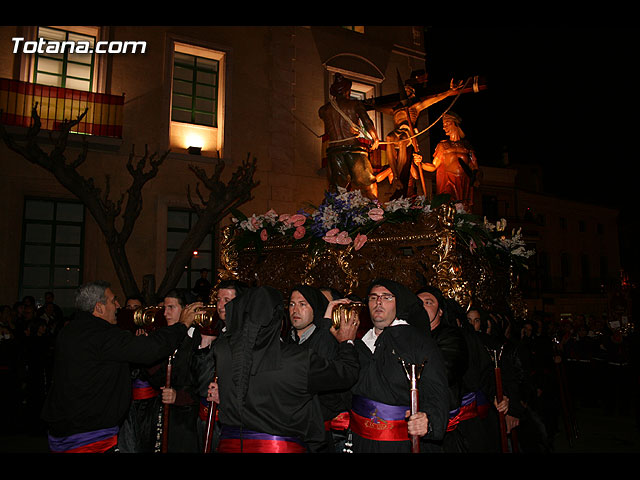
(381,418)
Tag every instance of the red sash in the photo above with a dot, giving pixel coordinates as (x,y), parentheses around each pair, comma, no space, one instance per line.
(465,413)
(96,447)
(142,390)
(473,405)
(339,422)
(235,445)
(378,421)
(95,441)
(232,440)
(144,393)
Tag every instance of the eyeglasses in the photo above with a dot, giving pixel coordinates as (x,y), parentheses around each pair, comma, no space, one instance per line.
(387,297)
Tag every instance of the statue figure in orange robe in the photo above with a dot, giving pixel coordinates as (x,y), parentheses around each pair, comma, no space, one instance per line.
(455,163)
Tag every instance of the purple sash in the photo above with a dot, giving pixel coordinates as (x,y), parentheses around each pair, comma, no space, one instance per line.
(366,407)
(94,441)
(378,421)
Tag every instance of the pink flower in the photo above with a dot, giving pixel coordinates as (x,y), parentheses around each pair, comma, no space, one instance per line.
(331,235)
(336,236)
(359,241)
(255,223)
(285,218)
(264,235)
(297,220)
(299,233)
(376,214)
(472,245)
(343,238)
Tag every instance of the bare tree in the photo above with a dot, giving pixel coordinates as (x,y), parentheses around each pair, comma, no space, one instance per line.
(221,200)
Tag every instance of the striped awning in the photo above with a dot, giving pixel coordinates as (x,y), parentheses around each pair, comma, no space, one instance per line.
(56,104)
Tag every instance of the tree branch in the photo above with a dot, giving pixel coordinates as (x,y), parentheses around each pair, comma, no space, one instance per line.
(222,199)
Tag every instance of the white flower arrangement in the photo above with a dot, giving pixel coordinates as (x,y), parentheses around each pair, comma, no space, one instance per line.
(346,217)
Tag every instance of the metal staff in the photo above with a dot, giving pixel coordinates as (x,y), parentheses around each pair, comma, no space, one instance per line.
(213,408)
(570,424)
(163,418)
(495,356)
(413,372)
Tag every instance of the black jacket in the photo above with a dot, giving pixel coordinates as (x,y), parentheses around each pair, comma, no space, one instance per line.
(91,387)
(271,387)
(383,379)
(453,346)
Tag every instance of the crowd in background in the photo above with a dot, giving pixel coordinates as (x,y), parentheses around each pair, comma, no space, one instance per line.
(570,362)
(27,338)
(573,361)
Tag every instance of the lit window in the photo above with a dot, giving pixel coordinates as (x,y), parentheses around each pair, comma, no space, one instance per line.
(65,69)
(197,100)
(362,91)
(195,90)
(52,249)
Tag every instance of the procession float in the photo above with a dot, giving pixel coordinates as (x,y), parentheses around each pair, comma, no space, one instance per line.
(349,240)
(352,237)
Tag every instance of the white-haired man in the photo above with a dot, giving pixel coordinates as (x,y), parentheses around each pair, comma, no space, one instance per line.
(91,390)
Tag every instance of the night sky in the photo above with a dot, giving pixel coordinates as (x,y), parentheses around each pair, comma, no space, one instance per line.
(565,98)
(561,97)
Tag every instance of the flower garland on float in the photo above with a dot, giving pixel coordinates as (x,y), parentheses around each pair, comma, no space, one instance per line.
(347,217)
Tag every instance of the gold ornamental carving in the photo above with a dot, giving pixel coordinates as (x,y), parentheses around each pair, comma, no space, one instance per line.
(412,253)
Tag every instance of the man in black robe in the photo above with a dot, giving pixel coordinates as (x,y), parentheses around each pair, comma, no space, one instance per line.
(268,389)
(452,345)
(310,318)
(481,432)
(91,389)
(181,396)
(381,419)
(203,364)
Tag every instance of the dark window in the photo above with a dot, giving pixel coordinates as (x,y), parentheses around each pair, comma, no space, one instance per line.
(179,222)
(52,249)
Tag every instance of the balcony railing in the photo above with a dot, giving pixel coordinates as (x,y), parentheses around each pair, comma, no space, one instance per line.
(56,104)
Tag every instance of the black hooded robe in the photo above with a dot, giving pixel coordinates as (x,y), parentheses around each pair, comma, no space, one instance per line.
(383,378)
(334,404)
(269,387)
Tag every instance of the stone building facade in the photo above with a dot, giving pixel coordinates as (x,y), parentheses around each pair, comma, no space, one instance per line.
(261,90)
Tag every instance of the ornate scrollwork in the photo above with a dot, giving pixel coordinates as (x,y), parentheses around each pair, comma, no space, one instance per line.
(228,255)
(516,302)
(412,253)
(424,252)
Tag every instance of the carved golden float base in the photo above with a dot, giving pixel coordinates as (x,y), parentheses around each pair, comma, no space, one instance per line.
(424,252)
